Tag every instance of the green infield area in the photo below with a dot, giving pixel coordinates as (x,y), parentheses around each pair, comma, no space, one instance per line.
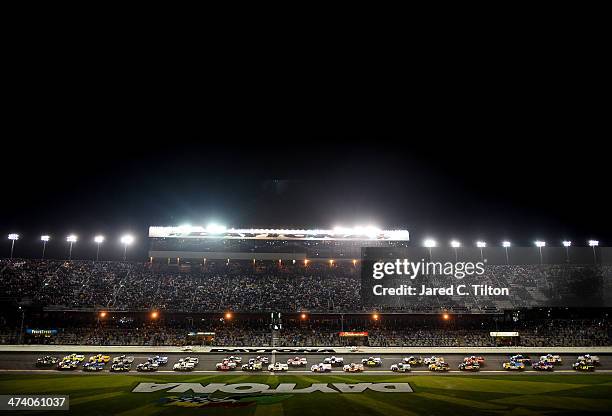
(246,394)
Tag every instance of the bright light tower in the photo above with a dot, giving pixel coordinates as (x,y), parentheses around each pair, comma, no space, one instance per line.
(126,240)
(71,239)
(13,237)
(99,239)
(455,245)
(567,244)
(539,244)
(481,245)
(45,239)
(593,244)
(429,243)
(506,245)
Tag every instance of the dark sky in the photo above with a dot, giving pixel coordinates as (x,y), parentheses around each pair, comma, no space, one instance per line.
(445,186)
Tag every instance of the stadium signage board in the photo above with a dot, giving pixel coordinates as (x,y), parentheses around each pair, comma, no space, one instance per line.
(283,388)
(353,334)
(275,350)
(504,334)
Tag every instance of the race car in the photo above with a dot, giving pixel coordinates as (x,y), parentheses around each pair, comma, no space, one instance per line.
(187,348)
(233,359)
(583,366)
(353,348)
(513,365)
(123,359)
(439,366)
(225,365)
(433,359)
(47,361)
(321,368)
(413,361)
(94,366)
(278,366)
(588,358)
(120,367)
(99,358)
(521,358)
(183,366)
(353,368)
(252,366)
(334,361)
(469,366)
(297,362)
(543,365)
(147,367)
(74,357)
(372,362)
(192,360)
(158,360)
(474,359)
(262,359)
(550,358)
(400,367)
(67,365)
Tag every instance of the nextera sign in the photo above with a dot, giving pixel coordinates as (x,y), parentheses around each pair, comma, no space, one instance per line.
(283,388)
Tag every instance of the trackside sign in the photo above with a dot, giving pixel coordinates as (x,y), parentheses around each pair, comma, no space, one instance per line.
(283,388)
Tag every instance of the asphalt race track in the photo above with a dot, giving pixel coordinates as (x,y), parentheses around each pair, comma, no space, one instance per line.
(26,363)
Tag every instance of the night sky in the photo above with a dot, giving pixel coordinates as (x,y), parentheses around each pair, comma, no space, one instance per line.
(496,188)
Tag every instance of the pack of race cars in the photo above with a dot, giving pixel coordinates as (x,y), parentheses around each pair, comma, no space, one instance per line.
(124,363)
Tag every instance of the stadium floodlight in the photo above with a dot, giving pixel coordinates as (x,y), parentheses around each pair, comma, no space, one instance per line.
(13,237)
(567,244)
(71,239)
(539,244)
(99,239)
(45,239)
(593,244)
(506,245)
(481,245)
(215,228)
(126,240)
(455,244)
(429,243)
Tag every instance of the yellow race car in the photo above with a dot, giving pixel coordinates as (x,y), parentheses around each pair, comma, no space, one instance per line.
(74,357)
(99,358)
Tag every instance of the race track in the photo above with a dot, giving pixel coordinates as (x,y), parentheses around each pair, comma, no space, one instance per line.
(26,363)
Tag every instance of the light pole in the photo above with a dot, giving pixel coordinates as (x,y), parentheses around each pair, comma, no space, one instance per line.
(126,240)
(429,243)
(22,319)
(45,239)
(593,244)
(13,237)
(99,239)
(567,244)
(71,239)
(539,245)
(481,245)
(455,245)
(506,245)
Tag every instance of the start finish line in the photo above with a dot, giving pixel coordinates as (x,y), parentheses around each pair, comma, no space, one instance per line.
(283,388)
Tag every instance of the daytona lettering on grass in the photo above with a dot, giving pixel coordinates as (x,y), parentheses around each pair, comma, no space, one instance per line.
(283,388)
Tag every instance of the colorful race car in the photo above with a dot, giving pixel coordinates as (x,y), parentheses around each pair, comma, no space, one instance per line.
(321,368)
(158,360)
(334,361)
(583,366)
(433,359)
(252,366)
(262,359)
(47,361)
(94,366)
(353,348)
(372,362)
(120,367)
(439,366)
(184,366)
(74,357)
(550,358)
(236,360)
(513,365)
(474,359)
(297,362)
(226,365)
(543,366)
(353,368)
(469,366)
(67,365)
(278,366)
(413,361)
(521,358)
(147,367)
(400,367)
(588,358)
(99,358)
